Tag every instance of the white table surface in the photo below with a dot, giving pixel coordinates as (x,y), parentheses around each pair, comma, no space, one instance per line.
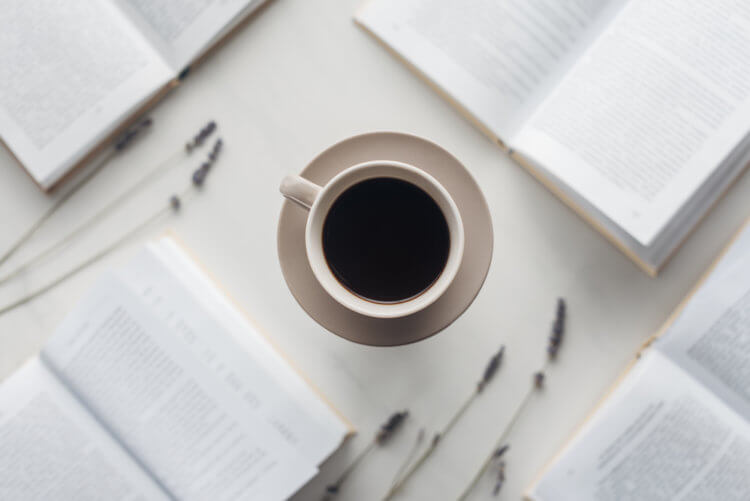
(298,78)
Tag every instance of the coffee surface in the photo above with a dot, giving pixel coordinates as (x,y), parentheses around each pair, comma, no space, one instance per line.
(386,240)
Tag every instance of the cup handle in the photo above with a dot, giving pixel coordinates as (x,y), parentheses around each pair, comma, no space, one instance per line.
(300,191)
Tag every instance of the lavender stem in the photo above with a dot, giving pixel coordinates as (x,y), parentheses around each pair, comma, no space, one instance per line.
(161,168)
(431,448)
(92,259)
(118,146)
(501,439)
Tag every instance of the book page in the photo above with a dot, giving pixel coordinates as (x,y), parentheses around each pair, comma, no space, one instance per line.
(202,319)
(70,73)
(51,448)
(649,111)
(496,58)
(710,338)
(181,30)
(167,407)
(652,257)
(660,435)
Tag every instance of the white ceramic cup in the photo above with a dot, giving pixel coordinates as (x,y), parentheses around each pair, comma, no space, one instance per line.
(319,199)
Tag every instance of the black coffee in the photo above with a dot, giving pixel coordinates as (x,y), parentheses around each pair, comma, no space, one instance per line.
(386,240)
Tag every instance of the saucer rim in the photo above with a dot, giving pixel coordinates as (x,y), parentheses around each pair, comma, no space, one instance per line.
(426,329)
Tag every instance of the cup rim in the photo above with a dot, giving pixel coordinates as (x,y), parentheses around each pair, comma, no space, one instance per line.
(314,246)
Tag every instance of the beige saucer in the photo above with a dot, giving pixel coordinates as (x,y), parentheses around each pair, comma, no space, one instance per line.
(477,251)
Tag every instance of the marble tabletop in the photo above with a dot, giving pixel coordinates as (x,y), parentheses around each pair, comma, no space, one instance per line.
(297,78)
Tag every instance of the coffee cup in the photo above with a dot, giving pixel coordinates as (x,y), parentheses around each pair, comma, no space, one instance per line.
(383,238)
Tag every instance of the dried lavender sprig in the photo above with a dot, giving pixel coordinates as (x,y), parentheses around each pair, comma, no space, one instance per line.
(539,380)
(500,479)
(537,384)
(201,136)
(159,170)
(120,144)
(199,174)
(489,372)
(173,205)
(491,369)
(390,427)
(499,443)
(214,153)
(558,329)
(386,431)
(97,256)
(105,211)
(500,451)
(175,202)
(130,135)
(199,177)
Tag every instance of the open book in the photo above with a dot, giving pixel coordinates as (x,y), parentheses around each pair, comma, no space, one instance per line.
(635,112)
(677,426)
(73,73)
(156,387)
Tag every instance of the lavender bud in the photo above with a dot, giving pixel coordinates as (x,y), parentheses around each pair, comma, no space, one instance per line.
(389,428)
(214,153)
(539,380)
(127,138)
(500,451)
(558,329)
(175,202)
(500,479)
(199,176)
(491,369)
(206,132)
(435,439)
(332,489)
(201,137)
(498,485)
